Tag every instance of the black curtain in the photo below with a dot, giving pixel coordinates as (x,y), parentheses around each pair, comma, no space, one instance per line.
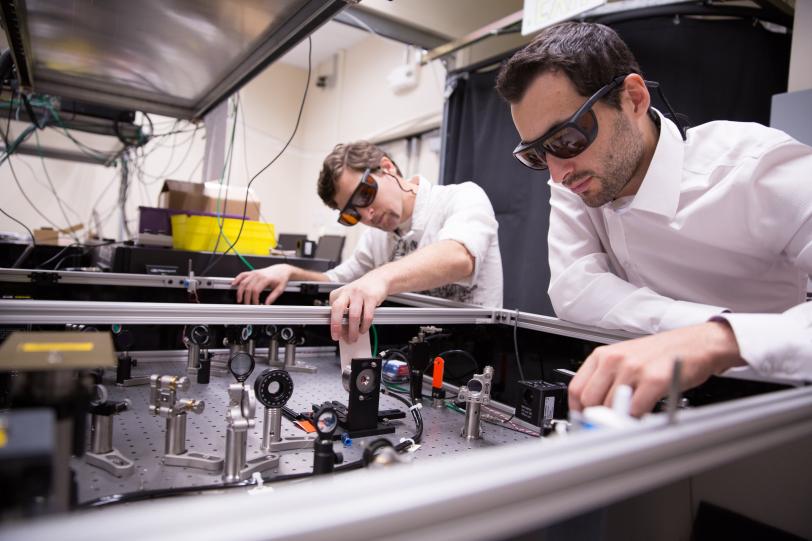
(723,69)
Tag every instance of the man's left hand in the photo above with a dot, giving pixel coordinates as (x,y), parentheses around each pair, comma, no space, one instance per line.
(646,365)
(359,299)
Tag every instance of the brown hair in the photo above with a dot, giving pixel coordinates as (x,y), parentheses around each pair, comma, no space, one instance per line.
(590,54)
(358,156)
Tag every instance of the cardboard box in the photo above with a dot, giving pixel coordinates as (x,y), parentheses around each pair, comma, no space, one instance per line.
(198,197)
(234,204)
(46,235)
(57,237)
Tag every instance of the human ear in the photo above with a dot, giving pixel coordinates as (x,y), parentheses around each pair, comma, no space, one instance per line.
(637,94)
(388,166)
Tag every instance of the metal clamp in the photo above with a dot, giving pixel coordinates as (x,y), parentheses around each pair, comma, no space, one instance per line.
(241,417)
(475,393)
(273,389)
(163,402)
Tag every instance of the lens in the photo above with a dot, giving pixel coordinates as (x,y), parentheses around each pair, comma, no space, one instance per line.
(349,217)
(364,195)
(532,158)
(572,139)
(566,143)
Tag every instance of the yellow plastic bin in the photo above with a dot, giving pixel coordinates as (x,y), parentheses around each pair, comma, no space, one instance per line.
(199,234)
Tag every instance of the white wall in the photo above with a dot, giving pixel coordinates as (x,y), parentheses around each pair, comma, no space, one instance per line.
(357,105)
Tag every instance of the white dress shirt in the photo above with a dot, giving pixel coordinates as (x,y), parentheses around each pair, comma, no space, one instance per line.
(722,222)
(460,212)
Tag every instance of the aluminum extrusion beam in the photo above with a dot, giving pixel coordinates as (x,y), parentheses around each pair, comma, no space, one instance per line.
(487,494)
(554,325)
(16,312)
(366,19)
(492,29)
(203,282)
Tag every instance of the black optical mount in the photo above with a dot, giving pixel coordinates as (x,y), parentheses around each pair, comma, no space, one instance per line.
(324,457)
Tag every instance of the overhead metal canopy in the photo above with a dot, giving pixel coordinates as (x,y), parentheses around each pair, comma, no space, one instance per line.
(178,58)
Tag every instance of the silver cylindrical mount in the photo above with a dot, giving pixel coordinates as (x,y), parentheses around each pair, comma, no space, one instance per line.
(101,434)
(290,354)
(271,427)
(472,428)
(273,350)
(193,361)
(236,451)
(175,434)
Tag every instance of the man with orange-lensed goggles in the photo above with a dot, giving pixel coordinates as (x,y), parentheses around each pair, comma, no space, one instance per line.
(362,197)
(703,235)
(436,239)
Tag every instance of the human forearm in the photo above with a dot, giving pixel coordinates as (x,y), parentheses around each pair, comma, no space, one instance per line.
(587,292)
(303,275)
(438,264)
(251,285)
(441,263)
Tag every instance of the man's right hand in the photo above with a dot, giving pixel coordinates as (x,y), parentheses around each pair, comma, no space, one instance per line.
(252,283)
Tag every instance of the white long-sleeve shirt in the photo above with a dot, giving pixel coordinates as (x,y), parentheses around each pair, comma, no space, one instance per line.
(460,212)
(722,222)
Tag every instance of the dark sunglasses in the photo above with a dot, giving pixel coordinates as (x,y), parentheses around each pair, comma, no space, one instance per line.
(573,136)
(361,197)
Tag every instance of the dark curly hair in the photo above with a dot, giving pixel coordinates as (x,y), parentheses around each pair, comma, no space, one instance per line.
(590,54)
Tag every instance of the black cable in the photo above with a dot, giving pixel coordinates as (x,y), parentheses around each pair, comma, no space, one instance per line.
(144,495)
(516,345)
(28,249)
(73,245)
(19,222)
(292,135)
(227,175)
(8,123)
(418,419)
(58,254)
(462,353)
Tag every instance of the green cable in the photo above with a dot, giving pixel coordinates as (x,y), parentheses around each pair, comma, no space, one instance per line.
(397,388)
(374,341)
(453,407)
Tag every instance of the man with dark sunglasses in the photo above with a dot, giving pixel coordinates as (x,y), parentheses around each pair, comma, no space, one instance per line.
(701,235)
(441,240)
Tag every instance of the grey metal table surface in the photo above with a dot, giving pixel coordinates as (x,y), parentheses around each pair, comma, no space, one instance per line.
(139,436)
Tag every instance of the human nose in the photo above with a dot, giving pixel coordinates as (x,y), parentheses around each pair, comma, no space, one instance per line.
(560,168)
(367,214)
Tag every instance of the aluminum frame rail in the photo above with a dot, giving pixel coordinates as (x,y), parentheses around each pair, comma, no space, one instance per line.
(524,320)
(181,282)
(17,312)
(487,494)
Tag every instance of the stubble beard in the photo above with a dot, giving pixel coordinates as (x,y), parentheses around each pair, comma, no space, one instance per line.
(620,164)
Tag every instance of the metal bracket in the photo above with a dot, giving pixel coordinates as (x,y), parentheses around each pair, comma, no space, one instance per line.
(112,462)
(44,278)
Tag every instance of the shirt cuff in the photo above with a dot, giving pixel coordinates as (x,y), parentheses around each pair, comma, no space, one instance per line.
(773,344)
(683,313)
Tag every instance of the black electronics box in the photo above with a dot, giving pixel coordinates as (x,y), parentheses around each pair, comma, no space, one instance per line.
(540,402)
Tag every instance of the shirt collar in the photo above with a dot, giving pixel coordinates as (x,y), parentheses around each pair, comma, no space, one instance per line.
(420,212)
(660,190)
